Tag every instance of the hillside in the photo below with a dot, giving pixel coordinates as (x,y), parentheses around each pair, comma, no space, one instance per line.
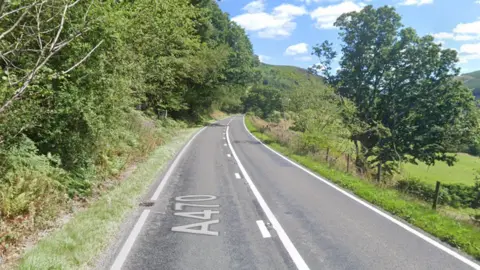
(289,77)
(472,80)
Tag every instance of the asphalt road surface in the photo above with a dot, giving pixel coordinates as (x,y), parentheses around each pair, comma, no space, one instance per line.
(229,202)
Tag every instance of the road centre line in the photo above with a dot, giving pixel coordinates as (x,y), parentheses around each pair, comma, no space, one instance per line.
(374,209)
(237,175)
(122,256)
(228,155)
(287,243)
(263,229)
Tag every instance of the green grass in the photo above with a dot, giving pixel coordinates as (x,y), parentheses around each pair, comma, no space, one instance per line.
(77,244)
(458,234)
(463,172)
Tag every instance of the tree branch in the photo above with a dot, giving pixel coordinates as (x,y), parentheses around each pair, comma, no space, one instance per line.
(83,59)
(15,24)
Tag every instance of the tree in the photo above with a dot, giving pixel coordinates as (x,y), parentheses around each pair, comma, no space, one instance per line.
(409,104)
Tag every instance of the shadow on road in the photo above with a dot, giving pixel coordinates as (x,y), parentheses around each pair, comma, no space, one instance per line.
(217,125)
(247,142)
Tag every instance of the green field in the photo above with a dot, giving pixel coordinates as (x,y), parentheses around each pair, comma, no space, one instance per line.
(463,172)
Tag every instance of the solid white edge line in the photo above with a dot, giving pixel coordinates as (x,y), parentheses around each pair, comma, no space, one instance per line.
(374,209)
(263,229)
(127,246)
(237,175)
(287,243)
(173,166)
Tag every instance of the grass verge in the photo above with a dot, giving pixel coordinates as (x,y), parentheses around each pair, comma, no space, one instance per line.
(458,234)
(77,244)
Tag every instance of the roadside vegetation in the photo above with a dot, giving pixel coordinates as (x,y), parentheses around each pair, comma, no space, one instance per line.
(393,109)
(88,88)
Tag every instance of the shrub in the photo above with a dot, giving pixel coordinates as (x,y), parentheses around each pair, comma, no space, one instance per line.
(455,195)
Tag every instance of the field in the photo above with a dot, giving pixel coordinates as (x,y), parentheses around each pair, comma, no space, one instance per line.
(463,172)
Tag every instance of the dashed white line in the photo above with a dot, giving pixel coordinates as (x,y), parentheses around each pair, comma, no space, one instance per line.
(172,168)
(224,144)
(228,155)
(117,265)
(282,235)
(374,209)
(224,138)
(237,175)
(230,121)
(263,229)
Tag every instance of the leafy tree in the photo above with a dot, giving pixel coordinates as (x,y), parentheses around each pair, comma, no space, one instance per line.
(263,100)
(403,86)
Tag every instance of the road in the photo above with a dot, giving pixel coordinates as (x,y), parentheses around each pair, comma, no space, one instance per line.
(228,202)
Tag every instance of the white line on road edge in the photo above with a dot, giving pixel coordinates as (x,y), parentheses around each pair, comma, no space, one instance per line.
(117,265)
(374,209)
(172,167)
(263,229)
(237,175)
(287,243)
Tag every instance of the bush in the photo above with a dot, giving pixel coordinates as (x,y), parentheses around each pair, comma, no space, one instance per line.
(455,195)
(29,181)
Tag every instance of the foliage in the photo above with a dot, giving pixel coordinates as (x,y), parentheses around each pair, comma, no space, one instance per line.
(472,81)
(411,107)
(86,87)
(296,95)
(78,243)
(455,195)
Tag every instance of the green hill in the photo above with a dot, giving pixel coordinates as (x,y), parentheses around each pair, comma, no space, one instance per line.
(289,77)
(472,80)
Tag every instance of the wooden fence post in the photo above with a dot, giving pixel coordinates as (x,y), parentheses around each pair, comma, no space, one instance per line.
(326,157)
(348,163)
(379,172)
(435,198)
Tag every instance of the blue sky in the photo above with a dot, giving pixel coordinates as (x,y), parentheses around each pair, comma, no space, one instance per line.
(284,31)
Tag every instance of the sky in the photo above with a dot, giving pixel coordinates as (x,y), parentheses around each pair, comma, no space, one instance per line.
(283,32)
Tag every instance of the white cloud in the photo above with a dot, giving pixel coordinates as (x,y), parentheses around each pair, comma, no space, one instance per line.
(279,23)
(416,2)
(468,28)
(299,48)
(443,35)
(478,1)
(255,6)
(469,52)
(470,48)
(457,37)
(304,58)
(263,58)
(462,32)
(326,16)
(308,2)
(465,37)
